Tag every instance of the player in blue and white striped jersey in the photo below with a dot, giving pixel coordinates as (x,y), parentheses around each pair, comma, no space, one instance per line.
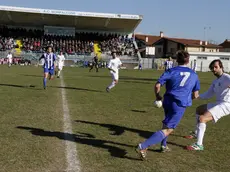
(49,65)
(168,64)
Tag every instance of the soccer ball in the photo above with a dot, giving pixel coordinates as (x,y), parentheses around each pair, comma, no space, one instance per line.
(158,103)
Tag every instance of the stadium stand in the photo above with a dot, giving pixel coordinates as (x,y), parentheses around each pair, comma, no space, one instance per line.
(79,35)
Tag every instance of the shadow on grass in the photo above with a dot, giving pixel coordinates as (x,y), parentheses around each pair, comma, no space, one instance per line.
(74,88)
(83,138)
(21,86)
(125,78)
(119,130)
(138,111)
(37,76)
(137,82)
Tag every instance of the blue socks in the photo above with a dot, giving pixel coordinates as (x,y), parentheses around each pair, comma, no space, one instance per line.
(164,142)
(44,82)
(157,137)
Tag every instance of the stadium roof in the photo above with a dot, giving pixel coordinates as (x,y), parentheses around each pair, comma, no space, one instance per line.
(123,23)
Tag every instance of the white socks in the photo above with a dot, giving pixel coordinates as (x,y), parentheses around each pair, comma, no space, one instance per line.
(197,123)
(112,85)
(59,72)
(200,133)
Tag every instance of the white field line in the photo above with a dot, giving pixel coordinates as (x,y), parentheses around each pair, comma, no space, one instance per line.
(73,164)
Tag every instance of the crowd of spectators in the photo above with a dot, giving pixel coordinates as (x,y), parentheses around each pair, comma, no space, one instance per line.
(81,43)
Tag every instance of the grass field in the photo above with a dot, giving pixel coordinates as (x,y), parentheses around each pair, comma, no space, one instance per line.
(106,126)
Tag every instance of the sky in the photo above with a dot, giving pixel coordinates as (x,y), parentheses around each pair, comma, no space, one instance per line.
(176,18)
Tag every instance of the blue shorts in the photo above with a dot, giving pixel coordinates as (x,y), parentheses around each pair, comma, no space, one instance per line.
(173,113)
(50,71)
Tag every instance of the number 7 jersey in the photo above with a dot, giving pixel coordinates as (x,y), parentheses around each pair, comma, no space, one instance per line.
(180,82)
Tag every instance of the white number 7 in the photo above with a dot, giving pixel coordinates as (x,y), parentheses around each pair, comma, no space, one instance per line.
(185,78)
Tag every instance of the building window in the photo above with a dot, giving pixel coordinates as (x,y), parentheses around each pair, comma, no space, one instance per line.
(159,50)
(202,58)
(172,50)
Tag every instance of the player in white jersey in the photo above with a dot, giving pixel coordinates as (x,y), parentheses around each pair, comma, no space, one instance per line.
(220,88)
(168,64)
(194,67)
(10,59)
(60,63)
(113,66)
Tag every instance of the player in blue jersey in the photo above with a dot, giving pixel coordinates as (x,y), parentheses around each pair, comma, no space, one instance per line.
(182,84)
(49,65)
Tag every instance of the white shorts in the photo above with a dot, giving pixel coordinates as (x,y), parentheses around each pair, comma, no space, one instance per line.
(115,76)
(10,61)
(218,110)
(60,66)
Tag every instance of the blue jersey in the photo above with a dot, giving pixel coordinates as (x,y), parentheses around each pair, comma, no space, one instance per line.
(49,60)
(180,82)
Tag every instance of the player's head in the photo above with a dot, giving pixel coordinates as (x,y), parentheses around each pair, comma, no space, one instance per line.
(182,57)
(170,58)
(113,54)
(49,49)
(61,53)
(216,66)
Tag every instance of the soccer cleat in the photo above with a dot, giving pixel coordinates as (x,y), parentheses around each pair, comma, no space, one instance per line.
(107,89)
(58,76)
(191,136)
(165,149)
(195,147)
(142,152)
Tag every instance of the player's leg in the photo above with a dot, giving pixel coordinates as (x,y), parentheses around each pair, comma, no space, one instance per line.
(91,67)
(171,121)
(164,147)
(59,70)
(199,111)
(213,113)
(96,66)
(51,74)
(115,78)
(46,74)
(9,63)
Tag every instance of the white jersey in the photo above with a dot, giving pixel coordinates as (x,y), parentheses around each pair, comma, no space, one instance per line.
(219,88)
(60,59)
(194,68)
(10,57)
(114,64)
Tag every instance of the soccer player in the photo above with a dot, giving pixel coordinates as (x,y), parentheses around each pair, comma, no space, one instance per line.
(113,66)
(60,63)
(168,64)
(181,84)
(95,63)
(10,59)
(194,66)
(49,65)
(220,88)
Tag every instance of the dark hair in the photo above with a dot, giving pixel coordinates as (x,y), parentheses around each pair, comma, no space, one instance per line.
(49,47)
(182,57)
(211,65)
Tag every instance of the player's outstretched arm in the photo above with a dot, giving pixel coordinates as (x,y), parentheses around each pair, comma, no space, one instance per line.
(157,90)
(208,94)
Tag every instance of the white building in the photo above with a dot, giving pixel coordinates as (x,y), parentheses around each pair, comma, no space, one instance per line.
(203,59)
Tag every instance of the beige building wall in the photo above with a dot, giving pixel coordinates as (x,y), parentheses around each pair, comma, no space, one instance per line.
(194,49)
(211,50)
